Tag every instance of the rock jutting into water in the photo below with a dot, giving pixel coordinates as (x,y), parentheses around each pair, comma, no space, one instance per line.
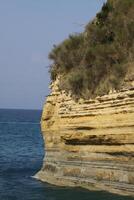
(89,143)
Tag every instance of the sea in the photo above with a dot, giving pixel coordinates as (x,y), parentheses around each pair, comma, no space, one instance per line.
(21,156)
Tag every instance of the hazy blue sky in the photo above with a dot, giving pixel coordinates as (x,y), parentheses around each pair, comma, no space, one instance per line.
(28,30)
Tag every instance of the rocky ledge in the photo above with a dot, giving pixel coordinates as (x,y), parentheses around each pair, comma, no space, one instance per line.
(89,143)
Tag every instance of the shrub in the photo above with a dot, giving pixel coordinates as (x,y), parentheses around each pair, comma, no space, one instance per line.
(93,62)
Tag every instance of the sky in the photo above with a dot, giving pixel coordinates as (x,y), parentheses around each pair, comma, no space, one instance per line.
(28,31)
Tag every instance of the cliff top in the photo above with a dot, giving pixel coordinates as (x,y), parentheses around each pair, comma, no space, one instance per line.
(102,57)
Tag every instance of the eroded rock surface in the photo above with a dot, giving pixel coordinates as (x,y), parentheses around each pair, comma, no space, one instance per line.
(89,143)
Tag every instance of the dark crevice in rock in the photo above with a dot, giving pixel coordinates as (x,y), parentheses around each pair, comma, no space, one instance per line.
(128,154)
(92,142)
(84,128)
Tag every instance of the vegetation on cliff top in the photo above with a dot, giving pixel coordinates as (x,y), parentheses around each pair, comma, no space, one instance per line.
(95,61)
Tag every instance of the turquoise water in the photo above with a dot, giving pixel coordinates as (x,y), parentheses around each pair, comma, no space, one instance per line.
(21,155)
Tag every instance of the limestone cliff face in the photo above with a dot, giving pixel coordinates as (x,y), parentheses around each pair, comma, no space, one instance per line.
(89,143)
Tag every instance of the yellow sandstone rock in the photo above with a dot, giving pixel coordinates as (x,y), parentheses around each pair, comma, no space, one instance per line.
(89,143)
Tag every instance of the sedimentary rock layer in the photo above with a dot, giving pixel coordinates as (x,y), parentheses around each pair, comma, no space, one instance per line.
(89,143)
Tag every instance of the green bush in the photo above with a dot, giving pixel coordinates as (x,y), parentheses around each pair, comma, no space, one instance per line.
(95,61)
(103,15)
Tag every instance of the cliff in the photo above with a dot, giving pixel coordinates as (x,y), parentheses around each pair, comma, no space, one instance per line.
(89,131)
(89,143)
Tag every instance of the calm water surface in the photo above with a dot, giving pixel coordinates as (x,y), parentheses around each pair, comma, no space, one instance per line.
(21,155)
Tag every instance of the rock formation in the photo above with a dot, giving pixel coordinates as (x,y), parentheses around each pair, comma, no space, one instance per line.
(89,143)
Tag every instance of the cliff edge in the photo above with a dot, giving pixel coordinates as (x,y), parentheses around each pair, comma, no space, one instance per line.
(89,143)
(88,119)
